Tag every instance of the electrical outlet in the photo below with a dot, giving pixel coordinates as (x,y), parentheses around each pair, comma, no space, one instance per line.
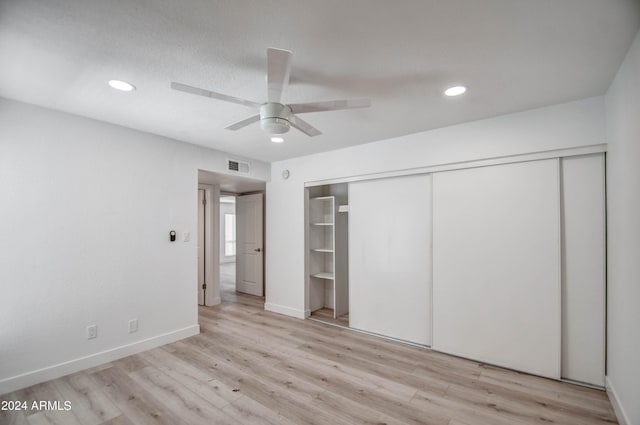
(133,326)
(92,331)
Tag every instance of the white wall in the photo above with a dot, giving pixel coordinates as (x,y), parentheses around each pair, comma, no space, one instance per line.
(579,123)
(85,212)
(623,234)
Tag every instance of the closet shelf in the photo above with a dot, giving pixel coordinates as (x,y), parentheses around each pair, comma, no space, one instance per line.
(322,198)
(324,275)
(322,224)
(322,250)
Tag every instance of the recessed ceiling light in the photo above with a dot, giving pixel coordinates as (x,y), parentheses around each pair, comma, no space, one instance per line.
(276,139)
(121,85)
(455,91)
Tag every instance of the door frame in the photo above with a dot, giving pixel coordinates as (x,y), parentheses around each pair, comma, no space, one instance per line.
(212,244)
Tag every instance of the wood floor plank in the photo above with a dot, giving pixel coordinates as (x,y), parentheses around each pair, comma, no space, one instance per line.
(457,422)
(288,398)
(249,412)
(442,405)
(250,366)
(243,329)
(408,358)
(137,404)
(353,412)
(39,419)
(376,368)
(189,406)
(13,418)
(201,383)
(518,381)
(246,347)
(370,397)
(88,402)
(12,415)
(50,405)
(547,408)
(238,374)
(118,420)
(394,385)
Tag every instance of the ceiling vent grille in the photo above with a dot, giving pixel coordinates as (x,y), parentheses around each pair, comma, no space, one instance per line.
(238,166)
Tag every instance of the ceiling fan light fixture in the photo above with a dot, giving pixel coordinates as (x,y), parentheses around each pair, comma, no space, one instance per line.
(455,91)
(273,118)
(276,139)
(121,85)
(276,117)
(275,125)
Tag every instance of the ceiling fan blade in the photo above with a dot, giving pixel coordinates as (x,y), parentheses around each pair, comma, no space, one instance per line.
(304,126)
(278,70)
(245,122)
(201,92)
(331,105)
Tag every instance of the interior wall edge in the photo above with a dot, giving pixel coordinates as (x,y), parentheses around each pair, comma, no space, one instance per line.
(621,414)
(623,233)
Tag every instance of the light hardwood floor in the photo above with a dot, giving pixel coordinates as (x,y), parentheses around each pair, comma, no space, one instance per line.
(249,366)
(326,315)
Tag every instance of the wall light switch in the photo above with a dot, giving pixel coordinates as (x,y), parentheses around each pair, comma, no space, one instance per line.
(186,236)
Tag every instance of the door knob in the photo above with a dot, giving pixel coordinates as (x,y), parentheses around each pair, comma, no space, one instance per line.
(257,250)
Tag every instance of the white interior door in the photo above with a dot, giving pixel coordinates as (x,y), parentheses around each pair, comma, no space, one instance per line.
(496,265)
(390,257)
(201,246)
(249,244)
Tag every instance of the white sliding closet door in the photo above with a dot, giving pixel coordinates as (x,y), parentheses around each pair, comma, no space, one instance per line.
(390,257)
(583,274)
(496,265)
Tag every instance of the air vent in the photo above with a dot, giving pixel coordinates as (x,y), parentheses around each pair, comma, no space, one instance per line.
(238,166)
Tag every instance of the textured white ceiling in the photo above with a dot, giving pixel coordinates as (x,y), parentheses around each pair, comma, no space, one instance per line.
(513,55)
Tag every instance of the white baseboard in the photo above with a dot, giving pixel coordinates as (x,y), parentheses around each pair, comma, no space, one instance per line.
(216,301)
(623,419)
(24,380)
(287,311)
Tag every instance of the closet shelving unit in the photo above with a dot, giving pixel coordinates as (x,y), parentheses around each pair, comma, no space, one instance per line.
(328,257)
(322,237)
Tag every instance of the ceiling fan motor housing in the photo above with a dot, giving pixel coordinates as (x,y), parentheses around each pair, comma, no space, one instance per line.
(274,118)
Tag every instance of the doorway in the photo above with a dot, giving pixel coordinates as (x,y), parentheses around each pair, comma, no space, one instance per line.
(207,282)
(230,238)
(227,248)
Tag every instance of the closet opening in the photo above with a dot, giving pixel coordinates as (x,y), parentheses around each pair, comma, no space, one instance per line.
(327,259)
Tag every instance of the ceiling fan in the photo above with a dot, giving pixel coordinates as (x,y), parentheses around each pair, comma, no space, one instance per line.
(276,117)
